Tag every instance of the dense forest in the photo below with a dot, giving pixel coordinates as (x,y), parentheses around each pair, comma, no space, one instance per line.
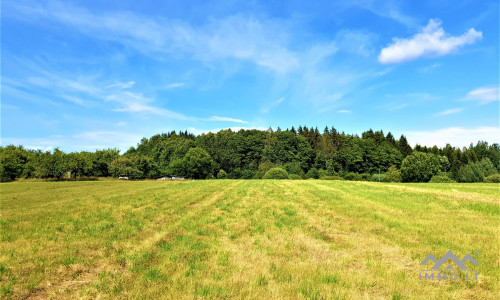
(301,153)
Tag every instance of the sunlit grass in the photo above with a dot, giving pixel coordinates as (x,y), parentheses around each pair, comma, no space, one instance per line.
(243,239)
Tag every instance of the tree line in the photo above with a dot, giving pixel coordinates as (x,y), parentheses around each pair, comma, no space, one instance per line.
(249,154)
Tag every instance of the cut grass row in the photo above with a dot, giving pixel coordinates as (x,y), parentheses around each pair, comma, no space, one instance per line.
(243,239)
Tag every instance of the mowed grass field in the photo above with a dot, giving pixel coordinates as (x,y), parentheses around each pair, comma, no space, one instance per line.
(252,239)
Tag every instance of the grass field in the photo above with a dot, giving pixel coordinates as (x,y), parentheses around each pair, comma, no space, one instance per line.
(244,239)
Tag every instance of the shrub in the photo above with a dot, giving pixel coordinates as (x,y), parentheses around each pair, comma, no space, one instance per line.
(393,175)
(352,176)
(365,176)
(196,164)
(247,174)
(420,167)
(494,178)
(377,177)
(276,173)
(259,174)
(441,178)
(125,166)
(293,168)
(294,177)
(313,174)
(222,174)
(476,171)
(323,173)
(334,177)
(235,173)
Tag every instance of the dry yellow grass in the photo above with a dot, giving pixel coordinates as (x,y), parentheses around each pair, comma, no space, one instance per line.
(254,239)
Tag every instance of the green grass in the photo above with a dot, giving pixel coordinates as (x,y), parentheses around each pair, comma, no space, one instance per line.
(260,239)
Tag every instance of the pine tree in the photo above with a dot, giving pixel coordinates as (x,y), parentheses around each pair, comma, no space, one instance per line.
(390,138)
(403,146)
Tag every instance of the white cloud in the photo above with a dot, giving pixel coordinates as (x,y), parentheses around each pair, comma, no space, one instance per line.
(344,111)
(431,41)
(448,112)
(225,119)
(387,9)
(455,136)
(197,131)
(266,108)
(136,103)
(355,41)
(75,100)
(430,68)
(121,85)
(174,85)
(261,41)
(484,94)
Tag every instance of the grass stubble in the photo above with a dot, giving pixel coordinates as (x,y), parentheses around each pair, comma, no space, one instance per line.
(251,239)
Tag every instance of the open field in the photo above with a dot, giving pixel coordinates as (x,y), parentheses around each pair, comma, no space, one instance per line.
(244,239)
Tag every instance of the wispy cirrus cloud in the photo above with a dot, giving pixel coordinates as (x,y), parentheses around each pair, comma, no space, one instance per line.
(174,85)
(267,107)
(484,94)
(137,103)
(431,41)
(238,40)
(386,8)
(121,85)
(261,41)
(430,68)
(448,112)
(225,119)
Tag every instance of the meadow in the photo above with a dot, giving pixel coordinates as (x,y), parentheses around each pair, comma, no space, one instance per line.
(252,239)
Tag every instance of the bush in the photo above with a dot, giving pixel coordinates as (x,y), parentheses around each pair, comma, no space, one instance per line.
(222,174)
(420,167)
(352,176)
(334,177)
(323,173)
(294,177)
(196,164)
(293,168)
(441,178)
(365,176)
(247,174)
(259,174)
(234,174)
(125,166)
(313,174)
(494,178)
(378,178)
(276,173)
(476,171)
(393,175)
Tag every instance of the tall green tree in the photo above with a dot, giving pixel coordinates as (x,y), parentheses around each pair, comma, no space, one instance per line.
(420,167)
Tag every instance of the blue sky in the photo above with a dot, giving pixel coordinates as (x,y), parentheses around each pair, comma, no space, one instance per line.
(82,75)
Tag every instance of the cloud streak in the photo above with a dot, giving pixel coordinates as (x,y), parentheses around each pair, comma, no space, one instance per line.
(448,112)
(225,119)
(484,95)
(266,108)
(260,41)
(431,41)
